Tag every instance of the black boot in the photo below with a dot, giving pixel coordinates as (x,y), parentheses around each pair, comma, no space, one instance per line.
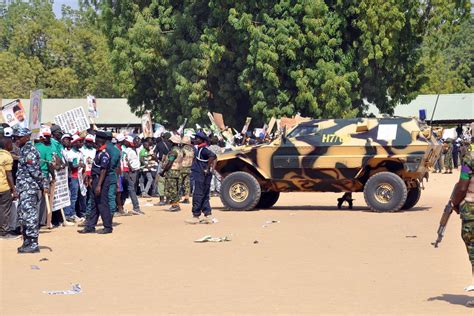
(26,241)
(350,203)
(339,203)
(32,247)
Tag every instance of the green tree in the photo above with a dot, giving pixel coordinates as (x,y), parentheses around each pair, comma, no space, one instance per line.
(264,58)
(66,57)
(448,58)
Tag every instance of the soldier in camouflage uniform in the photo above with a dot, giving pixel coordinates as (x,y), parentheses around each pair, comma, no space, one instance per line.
(171,171)
(448,156)
(185,172)
(462,202)
(30,180)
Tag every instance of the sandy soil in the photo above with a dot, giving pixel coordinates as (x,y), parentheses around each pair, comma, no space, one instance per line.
(317,260)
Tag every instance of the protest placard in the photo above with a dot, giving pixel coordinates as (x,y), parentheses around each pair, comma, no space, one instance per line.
(271,124)
(73,121)
(14,114)
(181,128)
(219,121)
(214,128)
(247,124)
(92,106)
(61,192)
(36,103)
(147,125)
(159,130)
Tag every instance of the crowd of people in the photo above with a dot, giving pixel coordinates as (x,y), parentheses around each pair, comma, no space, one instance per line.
(452,153)
(103,170)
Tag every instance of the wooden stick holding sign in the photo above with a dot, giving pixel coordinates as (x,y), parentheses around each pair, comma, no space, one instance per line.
(49,215)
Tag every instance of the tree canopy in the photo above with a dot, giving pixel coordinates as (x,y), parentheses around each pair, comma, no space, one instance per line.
(271,58)
(67,57)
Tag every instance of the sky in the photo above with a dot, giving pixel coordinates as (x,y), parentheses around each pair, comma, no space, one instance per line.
(58,3)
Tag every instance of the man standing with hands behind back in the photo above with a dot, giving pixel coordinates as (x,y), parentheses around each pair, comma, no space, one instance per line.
(30,181)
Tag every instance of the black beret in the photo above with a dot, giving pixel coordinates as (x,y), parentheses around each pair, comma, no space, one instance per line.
(101,134)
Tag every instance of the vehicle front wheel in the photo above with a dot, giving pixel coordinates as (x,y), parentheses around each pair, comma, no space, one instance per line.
(413,196)
(385,191)
(240,191)
(268,199)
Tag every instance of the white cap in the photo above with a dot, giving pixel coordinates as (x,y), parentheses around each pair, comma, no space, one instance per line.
(45,130)
(75,138)
(90,137)
(129,139)
(8,132)
(120,137)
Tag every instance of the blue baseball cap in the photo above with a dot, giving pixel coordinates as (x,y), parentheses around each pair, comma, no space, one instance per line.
(202,136)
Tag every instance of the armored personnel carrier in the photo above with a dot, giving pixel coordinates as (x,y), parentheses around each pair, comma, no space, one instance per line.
(385,158)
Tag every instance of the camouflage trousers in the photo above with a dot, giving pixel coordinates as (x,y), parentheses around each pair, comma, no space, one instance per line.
(467,228)
(185,180)
(172,186)
(28,212)
(448,160)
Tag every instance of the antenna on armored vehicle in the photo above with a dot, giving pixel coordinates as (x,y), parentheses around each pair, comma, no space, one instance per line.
(434,110)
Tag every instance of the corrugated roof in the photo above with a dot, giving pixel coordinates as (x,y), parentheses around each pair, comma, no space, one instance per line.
(111,111)
(451,107)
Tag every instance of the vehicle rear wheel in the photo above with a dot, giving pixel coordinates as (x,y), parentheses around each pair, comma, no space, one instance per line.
(240,191)
(268,199)
(413,196)
(385,191)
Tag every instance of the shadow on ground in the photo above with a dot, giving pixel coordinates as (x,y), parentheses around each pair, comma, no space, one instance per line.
(453,299)
(316,208)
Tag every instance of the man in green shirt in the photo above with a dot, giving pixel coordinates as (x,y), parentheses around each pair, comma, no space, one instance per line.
(46,151)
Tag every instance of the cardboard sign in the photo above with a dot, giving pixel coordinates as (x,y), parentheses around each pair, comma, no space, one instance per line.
(14,114)
(36,105)
(181,128)
(61,192)
(219,120)
(214,128)
(287,122)
(92,106)
(147,125)
(271,124)
(73,121)
(247,124)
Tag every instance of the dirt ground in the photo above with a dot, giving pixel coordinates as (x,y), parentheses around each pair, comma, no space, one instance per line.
(316,260)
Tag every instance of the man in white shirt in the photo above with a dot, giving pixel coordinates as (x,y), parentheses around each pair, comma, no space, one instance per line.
(131,164)
(89,151)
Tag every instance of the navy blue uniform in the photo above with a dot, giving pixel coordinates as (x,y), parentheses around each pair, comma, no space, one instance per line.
(100,203)
(202,181)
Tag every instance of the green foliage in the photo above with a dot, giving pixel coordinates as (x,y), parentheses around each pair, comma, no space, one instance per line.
(270,58)
(448,58)
(66,57)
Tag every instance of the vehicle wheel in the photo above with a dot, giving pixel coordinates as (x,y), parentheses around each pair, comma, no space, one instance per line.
(268,199)
(413,196)
(240,191)
(385,191)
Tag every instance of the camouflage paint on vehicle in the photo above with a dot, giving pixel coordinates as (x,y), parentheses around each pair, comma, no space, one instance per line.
(337,155)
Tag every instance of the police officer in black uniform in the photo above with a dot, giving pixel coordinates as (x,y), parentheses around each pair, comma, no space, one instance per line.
(201,173)
(100,188)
